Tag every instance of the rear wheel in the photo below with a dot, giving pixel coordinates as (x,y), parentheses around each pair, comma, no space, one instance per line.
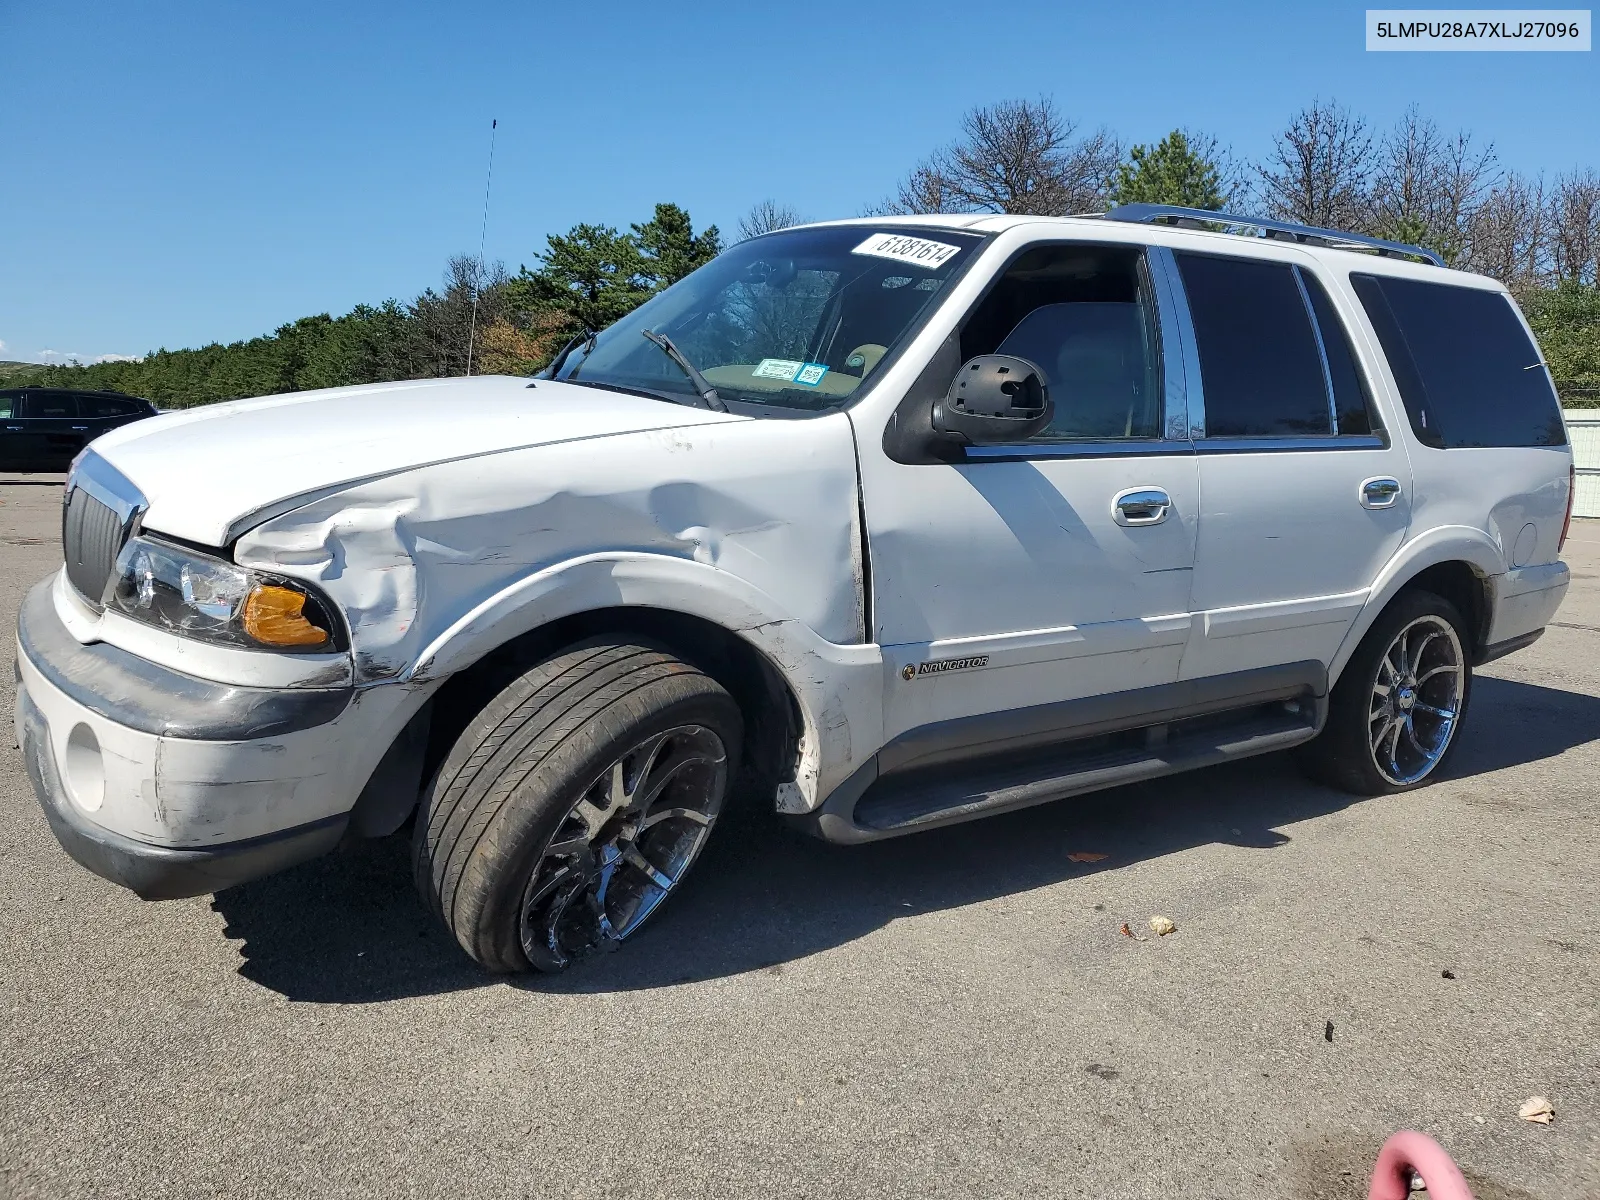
(574,804)
(1394,716)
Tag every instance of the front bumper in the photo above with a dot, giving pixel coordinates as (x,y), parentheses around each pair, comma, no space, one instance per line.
(157,872)
(173,785)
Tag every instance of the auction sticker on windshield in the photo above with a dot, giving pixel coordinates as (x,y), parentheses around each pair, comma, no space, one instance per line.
(917,251)
(778,368)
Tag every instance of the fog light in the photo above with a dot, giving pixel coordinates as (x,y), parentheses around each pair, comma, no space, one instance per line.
(84,769)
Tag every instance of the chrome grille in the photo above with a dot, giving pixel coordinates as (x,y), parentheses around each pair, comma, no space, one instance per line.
(102,509)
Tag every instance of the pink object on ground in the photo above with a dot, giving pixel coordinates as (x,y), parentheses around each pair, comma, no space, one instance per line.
(1406,1152)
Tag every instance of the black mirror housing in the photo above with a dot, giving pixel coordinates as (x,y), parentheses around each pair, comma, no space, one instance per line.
(995,398)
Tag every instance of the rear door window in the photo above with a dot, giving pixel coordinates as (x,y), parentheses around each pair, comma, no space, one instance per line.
(38,404)
(106,406)
(1467,370)
(1260,365)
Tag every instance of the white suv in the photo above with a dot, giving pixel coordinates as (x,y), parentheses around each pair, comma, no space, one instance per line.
(893,523)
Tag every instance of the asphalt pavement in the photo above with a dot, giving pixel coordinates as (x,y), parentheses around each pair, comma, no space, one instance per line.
(956,1014)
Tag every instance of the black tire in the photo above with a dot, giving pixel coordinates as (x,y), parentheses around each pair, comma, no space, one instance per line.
(517,773)
(1342,755)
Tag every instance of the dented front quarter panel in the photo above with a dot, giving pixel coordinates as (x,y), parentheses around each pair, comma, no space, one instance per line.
(749,524)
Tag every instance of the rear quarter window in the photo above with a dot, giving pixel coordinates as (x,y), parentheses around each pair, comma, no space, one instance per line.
(1468,372)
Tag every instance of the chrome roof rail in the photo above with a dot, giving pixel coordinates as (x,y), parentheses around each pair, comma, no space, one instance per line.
(1191,218)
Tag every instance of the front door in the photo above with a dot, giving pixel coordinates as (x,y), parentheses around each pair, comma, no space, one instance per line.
(1305,498)
(18,451)
(1051,569)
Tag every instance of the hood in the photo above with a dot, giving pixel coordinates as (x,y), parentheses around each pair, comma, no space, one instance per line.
(210,472)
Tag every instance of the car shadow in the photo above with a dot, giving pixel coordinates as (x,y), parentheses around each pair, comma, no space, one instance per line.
(348,929)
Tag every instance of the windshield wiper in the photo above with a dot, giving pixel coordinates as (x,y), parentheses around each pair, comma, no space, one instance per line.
(584,339)
(708,393)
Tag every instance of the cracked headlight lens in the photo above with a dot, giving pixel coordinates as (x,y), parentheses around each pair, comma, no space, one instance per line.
(195,595)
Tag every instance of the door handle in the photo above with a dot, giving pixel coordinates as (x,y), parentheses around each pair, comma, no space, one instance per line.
(1381,492)
(13,428)
(79,428)
(1140,506)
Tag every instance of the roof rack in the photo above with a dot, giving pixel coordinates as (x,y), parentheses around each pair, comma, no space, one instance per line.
(1198,218)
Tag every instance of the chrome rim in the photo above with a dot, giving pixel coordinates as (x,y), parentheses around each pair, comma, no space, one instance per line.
(624,846)
(1416,700)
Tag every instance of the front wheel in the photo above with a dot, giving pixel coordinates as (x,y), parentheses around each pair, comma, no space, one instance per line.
(574,804)
(1394,715)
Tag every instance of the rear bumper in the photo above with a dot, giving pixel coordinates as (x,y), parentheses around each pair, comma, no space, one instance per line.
(1525,598)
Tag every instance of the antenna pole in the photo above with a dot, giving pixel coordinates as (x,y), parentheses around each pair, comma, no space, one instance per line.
(483,233)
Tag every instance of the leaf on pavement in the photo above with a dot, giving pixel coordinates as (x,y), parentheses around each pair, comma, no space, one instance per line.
(1538,1109)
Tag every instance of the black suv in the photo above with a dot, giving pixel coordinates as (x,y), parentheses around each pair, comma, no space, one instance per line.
(42,429)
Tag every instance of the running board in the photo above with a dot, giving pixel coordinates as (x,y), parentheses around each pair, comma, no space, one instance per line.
(911,801)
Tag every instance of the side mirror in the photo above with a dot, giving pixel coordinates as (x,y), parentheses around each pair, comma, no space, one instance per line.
(995,398)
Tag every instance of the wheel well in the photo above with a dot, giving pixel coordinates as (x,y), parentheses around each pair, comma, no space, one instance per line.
(771,711)
(1459,583)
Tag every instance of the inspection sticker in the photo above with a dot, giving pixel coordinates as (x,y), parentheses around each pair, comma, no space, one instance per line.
(811,374)
(778,368)
(917,251)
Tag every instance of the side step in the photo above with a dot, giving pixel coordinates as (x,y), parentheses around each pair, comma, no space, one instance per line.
(910,801)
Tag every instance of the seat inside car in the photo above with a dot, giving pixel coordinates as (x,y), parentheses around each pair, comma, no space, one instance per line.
(1093,357)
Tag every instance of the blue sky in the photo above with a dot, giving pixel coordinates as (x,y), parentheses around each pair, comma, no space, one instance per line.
(187,172)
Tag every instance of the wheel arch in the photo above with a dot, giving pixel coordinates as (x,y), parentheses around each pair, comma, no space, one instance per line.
(1458,563)
(811,706)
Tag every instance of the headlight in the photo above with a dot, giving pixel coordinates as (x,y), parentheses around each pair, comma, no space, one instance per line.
(198,596)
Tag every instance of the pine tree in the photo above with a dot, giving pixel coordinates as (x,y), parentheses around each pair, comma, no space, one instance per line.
(670,248)
(592,275)
(1170,172)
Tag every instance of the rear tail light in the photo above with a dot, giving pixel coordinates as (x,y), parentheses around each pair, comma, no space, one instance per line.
(1572,489)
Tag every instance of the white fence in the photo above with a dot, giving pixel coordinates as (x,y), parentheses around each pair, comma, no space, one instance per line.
(1583,424)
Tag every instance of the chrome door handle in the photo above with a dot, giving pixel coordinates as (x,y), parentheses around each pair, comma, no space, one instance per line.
(1381,492)
(1140,506)
(79,428)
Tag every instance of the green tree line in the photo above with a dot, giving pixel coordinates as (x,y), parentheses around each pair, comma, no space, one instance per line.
(1327,167)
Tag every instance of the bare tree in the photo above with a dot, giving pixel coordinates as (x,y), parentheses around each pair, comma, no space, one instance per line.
(1507,236)
(1427,187)
(442,323)
(1320,168)
(767,217)
(924,190)
(1574,222)
(1018,156)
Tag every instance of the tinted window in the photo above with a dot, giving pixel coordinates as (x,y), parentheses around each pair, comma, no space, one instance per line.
(42,404)
(1351,401)
(1467,370)
(8,406)
(1082,315)
(105,406)
(1259,362)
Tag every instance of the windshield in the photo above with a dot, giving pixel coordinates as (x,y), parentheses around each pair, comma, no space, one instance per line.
(798,319)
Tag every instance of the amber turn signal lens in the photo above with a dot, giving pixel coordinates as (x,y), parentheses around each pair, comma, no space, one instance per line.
(272,615)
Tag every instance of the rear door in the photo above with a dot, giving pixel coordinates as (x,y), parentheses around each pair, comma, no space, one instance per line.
(54,428)
(101,414)
(1303,496)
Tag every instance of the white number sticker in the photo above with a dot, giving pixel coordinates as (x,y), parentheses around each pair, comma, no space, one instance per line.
(778,368)
(919,252)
